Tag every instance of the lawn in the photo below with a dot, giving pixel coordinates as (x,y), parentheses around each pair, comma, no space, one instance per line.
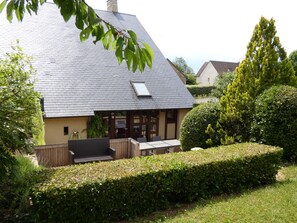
(274,203)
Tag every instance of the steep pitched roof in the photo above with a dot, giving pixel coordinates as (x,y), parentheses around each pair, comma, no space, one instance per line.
(181,75)
(77,78)
(220,66)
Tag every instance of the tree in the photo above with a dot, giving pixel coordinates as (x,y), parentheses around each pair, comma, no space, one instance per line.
(190,79)
(221,84)
(127,47)
(182,65)
(19,106)
(293,59)
(265,64)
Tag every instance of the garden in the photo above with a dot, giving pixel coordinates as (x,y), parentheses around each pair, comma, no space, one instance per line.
(244,173)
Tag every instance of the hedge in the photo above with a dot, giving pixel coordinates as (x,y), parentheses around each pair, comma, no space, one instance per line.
(275,120)
(111,191)
(197,90)
(194,125)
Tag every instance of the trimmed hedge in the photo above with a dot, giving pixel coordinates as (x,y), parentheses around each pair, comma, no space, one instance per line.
(275,119)
(197,90)
(111,191)
(194,125)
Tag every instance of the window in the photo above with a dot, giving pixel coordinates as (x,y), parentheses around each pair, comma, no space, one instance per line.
(66,131)
(141,89)
(171,116)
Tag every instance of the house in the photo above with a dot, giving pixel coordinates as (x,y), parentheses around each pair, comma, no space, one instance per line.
(179,73)
(79,79)
(208,72)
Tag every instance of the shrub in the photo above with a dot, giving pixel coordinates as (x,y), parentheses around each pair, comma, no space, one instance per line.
(195,123)
(111,191)
(275,121)
(15,188)
(191,79)
(196,90)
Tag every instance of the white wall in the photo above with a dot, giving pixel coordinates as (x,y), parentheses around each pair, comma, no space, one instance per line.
(208,76)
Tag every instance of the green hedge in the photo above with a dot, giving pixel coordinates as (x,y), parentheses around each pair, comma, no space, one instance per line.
(192,131)
(197,90)
(111,191)
(275,121)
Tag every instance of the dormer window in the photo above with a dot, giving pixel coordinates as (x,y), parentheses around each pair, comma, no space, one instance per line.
(140,89)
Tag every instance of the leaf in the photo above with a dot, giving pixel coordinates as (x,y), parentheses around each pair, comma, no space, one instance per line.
(133,36)
(84,34)
(119,54)
(147,57)
(79,22)
(2,5)
(149,49)
(128,57)
(9,10)
(67,9)
(135,63)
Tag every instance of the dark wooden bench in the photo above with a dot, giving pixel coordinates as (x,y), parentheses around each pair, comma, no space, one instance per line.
(90,150)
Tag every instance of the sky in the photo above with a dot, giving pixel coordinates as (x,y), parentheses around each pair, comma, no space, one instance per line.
(200,31)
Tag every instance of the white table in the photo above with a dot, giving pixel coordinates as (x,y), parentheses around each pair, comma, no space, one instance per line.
(163,144)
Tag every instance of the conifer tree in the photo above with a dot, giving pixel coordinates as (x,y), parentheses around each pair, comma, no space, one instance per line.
(265,64)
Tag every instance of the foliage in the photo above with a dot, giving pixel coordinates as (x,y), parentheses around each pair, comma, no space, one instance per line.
(15,188)
(96,127)
(221,84)
(191,79)
(19,104)
(274,203)
(265,64)
(38,136)
(192,131)
(275,119)
(182,65)
(125,43)
(293,59)
(196,90)
(110,191)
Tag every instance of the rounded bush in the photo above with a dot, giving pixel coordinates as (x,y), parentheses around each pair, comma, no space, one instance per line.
(195,123)
(275,120)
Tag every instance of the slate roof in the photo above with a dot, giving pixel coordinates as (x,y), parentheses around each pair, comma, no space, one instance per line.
(180,74)
(77,78)
(220,66)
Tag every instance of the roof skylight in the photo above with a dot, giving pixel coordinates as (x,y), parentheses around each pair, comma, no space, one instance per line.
(140,89)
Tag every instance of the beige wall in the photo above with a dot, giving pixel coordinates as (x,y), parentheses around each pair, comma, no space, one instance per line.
(208,76)
(180,116)
(54,129)
(162,124)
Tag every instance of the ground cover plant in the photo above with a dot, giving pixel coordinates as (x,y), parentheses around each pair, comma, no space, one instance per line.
(126,188)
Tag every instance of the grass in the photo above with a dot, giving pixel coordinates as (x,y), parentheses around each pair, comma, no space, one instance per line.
(274,203)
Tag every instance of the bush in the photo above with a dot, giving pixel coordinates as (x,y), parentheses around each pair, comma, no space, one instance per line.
(111,191)
(195,123)
(196,90)
(190,79)
(275,121)
(15,188)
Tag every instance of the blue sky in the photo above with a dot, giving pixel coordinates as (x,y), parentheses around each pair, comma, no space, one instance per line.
(200,31)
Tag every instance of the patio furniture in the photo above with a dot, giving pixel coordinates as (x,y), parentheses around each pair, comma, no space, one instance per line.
(90,150)
(141,139)
(156,138)
(159,145)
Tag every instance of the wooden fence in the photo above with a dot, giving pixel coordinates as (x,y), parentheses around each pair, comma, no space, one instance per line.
(58,155)
(52,155)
